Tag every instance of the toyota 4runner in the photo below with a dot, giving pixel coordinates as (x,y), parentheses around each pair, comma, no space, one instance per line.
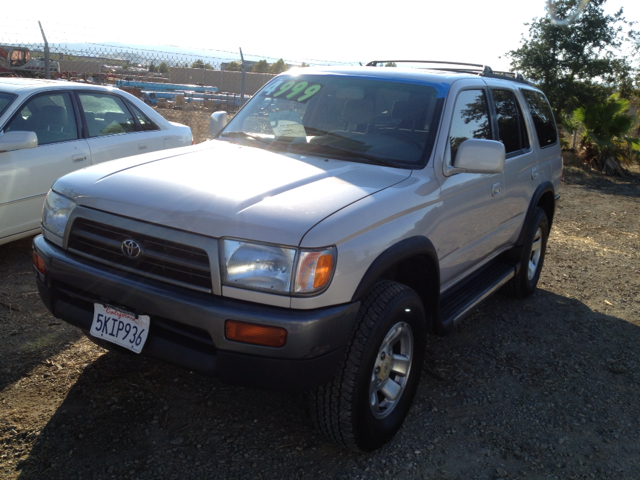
(336,220)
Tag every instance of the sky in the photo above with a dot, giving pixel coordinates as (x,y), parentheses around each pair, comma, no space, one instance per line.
(312,31)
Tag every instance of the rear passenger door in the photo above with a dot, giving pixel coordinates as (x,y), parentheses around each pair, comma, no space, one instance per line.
(110,127)
(521,175)
(157,139)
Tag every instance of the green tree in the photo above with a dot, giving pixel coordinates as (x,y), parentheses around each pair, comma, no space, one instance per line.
(233,67)
(152,67)
(201,64)
(304,64)
(260,67)
(278,67)
(163,68)
(606,135)
(390,64)
(578,62)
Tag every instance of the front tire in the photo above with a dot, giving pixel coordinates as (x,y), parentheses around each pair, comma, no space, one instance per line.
(366,402)
(531,258)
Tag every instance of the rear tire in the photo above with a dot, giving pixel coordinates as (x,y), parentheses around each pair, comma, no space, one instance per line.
(531,258)
(366,402)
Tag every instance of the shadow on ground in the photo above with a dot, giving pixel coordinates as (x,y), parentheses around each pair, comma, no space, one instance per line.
(544,386)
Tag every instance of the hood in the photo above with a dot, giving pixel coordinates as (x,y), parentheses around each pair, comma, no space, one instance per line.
(224,189)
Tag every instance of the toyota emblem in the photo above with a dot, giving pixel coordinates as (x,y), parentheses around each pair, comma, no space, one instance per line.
(131,248)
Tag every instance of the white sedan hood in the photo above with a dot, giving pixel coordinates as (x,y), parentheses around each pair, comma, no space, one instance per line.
(221,189)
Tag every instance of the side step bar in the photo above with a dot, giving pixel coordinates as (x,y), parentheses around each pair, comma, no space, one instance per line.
(457,302)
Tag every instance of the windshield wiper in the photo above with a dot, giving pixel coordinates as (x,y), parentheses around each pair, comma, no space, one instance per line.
(346,153)
(324,133)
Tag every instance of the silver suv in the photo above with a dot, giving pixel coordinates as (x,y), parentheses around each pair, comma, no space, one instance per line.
(332,224)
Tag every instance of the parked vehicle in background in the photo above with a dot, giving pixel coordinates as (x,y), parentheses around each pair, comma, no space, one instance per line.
(341,216)
(49,128)
(17,61)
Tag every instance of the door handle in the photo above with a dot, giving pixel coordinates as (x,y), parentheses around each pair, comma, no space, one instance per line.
(79,158)
(496,189)
(142,146)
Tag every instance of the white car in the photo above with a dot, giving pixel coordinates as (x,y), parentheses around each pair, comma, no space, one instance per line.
(50,128)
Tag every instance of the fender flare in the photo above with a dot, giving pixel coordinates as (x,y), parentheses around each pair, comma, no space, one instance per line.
(404,249)
(543,188)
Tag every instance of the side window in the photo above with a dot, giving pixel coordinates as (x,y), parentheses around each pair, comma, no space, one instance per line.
(50,116)
(470,119)
(144,121)
(106,114)
(511,126)
(542,117)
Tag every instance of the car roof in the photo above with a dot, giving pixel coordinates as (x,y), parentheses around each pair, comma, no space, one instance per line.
(27,85)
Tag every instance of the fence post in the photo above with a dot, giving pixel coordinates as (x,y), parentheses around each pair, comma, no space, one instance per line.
(47,73)
(244,74)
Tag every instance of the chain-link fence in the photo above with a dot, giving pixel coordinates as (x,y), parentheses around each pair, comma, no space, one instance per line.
(183,88)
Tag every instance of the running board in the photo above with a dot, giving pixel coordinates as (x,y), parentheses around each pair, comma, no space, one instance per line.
(457,302)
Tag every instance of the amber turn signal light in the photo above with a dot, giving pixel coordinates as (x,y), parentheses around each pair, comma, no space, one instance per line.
(255,334)
(38,262)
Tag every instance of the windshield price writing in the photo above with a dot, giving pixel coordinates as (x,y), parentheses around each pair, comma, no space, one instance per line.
(298,91)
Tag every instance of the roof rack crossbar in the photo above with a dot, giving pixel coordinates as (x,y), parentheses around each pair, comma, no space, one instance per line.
(481,70)
(374,63)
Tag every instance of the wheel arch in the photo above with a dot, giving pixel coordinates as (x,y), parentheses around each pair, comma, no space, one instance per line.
(412,262)
(545,198)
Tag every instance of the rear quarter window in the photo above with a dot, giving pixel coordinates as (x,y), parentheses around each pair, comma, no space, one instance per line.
(542,116)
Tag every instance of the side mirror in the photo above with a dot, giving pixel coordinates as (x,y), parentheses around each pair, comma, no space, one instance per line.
(18,141)
(217,122)
(480,156)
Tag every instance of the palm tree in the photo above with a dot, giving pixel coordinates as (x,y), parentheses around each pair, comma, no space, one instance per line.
(606,137)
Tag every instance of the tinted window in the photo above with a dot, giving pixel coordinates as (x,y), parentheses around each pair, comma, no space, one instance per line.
(5,101)
(145,123)
(50,116)
(470,119)
(106,114)
(542,117)
(353,119)
(511,126)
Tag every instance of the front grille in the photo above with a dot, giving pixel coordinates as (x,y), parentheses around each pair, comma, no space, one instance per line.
(163,260)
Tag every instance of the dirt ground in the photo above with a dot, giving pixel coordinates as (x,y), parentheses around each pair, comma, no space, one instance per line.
(545,387)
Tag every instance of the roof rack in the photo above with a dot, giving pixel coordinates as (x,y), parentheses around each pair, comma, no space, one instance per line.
(475,69)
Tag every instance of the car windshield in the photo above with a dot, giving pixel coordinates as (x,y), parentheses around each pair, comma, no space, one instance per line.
(5,101)
(351,118)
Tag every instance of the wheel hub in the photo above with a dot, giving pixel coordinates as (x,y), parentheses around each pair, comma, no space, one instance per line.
(385,368)
(391,370)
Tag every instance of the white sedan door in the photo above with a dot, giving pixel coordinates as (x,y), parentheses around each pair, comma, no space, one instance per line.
(111,128)
(27,175)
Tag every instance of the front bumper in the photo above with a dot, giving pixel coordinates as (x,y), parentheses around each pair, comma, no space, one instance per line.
(187,327)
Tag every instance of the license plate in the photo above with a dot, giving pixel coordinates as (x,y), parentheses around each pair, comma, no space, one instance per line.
(120,327)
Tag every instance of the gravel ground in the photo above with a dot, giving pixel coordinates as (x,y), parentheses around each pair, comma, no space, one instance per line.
(542,388)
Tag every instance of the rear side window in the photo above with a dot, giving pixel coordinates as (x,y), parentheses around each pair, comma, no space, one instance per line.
(470,119)
(106,114)
(542,115)
(512,130)
(143,120)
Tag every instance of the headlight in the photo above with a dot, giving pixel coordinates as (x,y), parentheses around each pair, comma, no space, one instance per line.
(275,269)
(55,213)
